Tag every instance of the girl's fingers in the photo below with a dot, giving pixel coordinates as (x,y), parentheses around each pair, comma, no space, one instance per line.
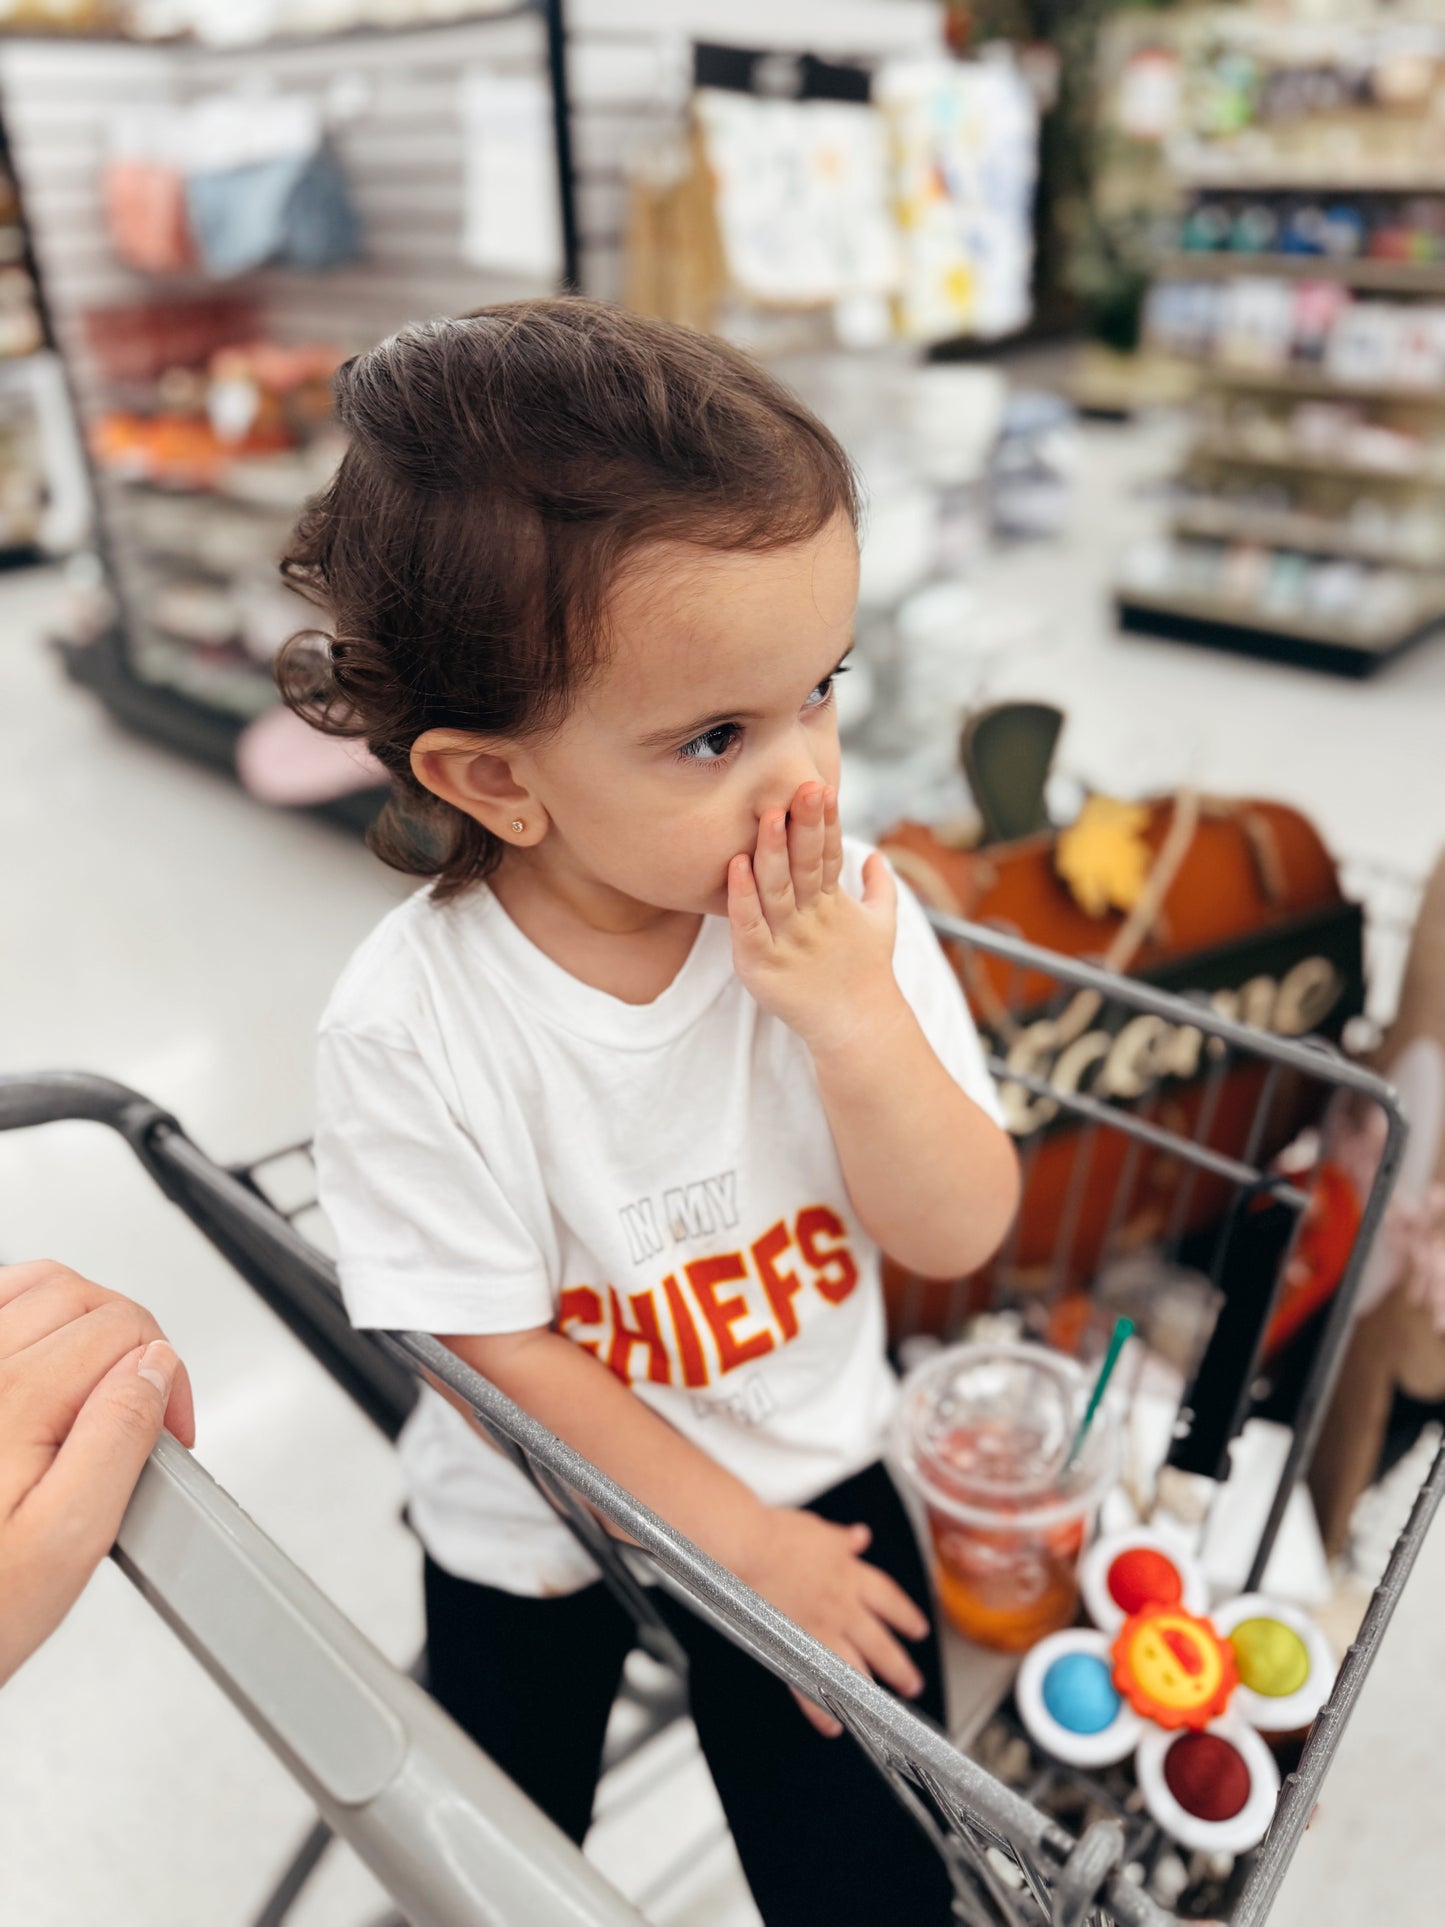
(771,869)
(745,912)
(832,841)
(880,892)
(885,1597)
(885,1658)
(815,1716)
(805,843)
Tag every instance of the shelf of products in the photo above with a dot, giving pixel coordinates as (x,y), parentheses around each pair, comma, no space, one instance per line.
(1410,545)
(1301,274)
(1386,277)
(203,319)
(203,474)
(1317,380)
(23,482)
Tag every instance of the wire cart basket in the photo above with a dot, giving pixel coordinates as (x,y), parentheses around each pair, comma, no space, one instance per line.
(1209,1103)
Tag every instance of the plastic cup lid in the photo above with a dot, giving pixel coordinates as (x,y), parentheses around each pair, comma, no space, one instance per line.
(983,1432)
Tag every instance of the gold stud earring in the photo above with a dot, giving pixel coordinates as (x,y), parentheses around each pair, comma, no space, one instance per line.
(518,824)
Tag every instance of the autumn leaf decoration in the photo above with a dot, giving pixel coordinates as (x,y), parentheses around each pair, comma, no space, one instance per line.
(1103,855)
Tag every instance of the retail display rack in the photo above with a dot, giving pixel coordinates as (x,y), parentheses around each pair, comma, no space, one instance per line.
(25,337)
(177,633)
(1304,281)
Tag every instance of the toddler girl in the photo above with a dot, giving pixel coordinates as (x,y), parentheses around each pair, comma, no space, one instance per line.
(626,1103)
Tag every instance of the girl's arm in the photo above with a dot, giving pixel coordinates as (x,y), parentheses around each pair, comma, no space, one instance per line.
(806,1567)
(933,1179)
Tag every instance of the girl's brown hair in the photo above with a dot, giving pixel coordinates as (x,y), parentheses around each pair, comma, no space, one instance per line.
(499,469)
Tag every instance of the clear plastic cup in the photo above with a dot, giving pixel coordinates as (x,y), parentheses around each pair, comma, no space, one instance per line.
(982,1433)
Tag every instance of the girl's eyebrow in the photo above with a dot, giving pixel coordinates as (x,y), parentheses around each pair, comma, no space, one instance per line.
(685,732)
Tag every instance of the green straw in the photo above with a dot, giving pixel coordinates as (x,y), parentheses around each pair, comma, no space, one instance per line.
(1123,1332)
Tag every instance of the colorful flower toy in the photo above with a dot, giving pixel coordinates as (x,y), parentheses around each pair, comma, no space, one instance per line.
(1186,1691)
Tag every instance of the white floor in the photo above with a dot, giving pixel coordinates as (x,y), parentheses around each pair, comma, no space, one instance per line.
(157,926)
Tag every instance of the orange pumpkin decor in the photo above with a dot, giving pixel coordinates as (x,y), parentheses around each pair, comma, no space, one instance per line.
(1238,901)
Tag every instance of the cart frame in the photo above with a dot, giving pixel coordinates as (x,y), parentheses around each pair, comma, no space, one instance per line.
(1010,1863)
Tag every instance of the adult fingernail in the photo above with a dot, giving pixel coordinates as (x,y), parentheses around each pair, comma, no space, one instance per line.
(157,1366)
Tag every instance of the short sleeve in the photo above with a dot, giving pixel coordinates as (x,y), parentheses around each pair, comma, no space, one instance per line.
(927,980)
(427,1237)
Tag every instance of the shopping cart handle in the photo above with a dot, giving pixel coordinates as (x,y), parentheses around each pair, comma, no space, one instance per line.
(52,1097)
(452,1839)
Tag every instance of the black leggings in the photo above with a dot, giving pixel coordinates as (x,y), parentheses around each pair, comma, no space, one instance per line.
(821,1837)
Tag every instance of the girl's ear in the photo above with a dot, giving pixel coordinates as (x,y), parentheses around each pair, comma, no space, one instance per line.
(475,774)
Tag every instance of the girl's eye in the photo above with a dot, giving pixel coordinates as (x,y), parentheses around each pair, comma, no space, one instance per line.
(824,691)
(712,746)
(715,745)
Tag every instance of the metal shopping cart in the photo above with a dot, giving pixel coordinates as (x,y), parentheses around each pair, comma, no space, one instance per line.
(1210,1102)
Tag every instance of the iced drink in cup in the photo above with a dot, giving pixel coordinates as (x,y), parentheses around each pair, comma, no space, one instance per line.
(983,1434)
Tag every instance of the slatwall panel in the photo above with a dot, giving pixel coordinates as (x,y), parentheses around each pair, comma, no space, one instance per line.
(59,98)
(403,157)
(403,154)
(630,72)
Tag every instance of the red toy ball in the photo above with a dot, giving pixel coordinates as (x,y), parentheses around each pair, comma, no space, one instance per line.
(1207,1776)
(1144,1577)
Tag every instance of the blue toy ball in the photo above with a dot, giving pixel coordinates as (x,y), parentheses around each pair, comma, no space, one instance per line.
(1079,1693)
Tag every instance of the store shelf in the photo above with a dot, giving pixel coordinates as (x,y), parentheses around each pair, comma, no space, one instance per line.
(1221,448)
(1314,381)
(1200,176)
(1310,534)
(189,491)
(1307,641)
(1385,277)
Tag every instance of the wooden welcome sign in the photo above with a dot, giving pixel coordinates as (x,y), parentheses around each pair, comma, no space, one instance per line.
(1240,904)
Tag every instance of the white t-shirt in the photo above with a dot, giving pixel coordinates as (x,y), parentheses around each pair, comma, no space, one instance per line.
(500,1146)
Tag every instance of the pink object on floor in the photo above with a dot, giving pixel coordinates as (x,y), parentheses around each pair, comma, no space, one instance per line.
(282,760)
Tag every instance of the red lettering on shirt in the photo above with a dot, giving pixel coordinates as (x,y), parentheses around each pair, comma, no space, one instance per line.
(689,1346)
(781,1286)
(644,1332)
(705,1275)
(579,1305)
(837,1271)
(623,1325)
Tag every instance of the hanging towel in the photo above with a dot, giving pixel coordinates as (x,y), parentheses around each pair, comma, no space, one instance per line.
(295,210)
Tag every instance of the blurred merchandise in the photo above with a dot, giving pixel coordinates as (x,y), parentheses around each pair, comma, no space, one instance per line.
(1393,1378)
(190,198)
(1031,475)
(283,761)
(511,220)
(207,425)
(229,183)
(802,201)
(1238,900)
(1299,256)
(64,16)
(965,142)
(897,197)
(22,473)
(140,341)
